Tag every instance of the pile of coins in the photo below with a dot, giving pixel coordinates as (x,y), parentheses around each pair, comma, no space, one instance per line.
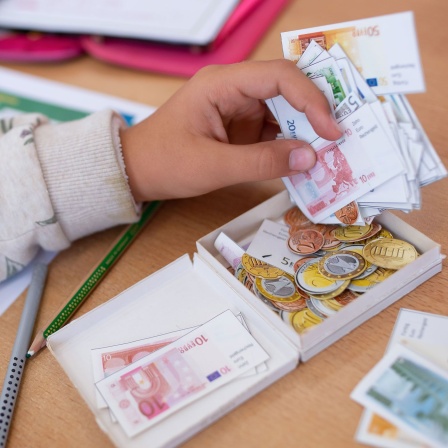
(336,265)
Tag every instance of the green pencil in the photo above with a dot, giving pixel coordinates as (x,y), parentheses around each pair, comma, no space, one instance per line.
(94,278)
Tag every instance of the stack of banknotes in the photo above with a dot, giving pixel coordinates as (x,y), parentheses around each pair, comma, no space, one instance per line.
(406,393)
(384,156)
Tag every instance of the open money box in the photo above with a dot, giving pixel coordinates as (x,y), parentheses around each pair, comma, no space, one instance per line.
(181,348)
(187,296)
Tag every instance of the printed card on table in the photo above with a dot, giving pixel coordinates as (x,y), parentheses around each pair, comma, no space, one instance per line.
(411,392)
(159,384)
(425,334)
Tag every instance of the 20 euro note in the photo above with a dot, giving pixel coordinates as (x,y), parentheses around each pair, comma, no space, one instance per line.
(161,383)
(384,50)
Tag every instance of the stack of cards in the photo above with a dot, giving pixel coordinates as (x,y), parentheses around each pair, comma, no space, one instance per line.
(406,393)
(384,156)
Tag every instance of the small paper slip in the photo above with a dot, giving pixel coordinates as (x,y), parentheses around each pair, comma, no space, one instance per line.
(270,244)
(384,50)
(157,385)
(409,391)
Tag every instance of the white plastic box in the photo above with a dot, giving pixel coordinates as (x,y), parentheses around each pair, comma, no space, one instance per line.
(188,293)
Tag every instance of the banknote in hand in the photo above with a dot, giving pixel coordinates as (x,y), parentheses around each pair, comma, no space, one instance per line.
(330,187)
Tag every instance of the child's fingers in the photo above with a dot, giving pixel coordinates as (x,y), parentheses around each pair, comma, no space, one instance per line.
(267,79)
(233,164)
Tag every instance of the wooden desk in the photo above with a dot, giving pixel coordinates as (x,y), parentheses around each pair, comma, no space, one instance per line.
(310,407)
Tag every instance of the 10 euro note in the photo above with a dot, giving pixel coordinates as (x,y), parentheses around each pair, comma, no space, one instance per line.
(346,169)
(108,360)
(161,383)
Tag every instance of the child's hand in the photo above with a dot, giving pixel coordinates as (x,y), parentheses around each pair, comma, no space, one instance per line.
(216,131)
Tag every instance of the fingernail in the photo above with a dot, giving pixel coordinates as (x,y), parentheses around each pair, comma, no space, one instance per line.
(302,159)
(335,124)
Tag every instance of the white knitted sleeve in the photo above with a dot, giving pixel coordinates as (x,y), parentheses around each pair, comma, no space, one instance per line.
(59,182)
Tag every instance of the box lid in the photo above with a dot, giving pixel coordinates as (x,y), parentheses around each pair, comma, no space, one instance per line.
(181,295)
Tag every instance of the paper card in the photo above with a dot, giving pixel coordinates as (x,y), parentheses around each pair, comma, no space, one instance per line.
(374,430)
(425,334)
(270,244)
(159,384)
(411,392)
(384,49)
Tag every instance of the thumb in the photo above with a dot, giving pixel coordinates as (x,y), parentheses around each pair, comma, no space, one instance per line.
(266,160)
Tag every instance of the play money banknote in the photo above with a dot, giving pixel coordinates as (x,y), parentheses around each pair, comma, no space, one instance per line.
(425,334)
(161,383)
(384,50)
(108,360)
(346,169)
(411,392)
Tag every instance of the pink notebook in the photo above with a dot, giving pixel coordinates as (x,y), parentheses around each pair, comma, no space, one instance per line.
(238,37)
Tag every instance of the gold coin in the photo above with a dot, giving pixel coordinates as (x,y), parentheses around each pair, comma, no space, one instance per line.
(333,304)
(260,268)
(364,284)
(332,294)
(351,233)
(383,233)
(389,253)
(303,320)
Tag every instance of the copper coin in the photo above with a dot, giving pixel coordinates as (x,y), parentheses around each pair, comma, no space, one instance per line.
(301,261)
(346,297)
(297,305)
(348,214)
(330,241)
(305,242)
(294,216)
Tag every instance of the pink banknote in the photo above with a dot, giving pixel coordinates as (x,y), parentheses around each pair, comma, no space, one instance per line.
(108,360)
(162,382)
(347,169)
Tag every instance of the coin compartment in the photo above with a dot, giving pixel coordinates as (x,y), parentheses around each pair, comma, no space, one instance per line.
(242,230)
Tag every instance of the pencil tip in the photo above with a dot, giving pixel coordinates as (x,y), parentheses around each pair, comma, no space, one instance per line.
(29,354)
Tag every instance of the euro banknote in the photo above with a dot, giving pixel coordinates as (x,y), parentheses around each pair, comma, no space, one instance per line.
(155,386)
(331,187)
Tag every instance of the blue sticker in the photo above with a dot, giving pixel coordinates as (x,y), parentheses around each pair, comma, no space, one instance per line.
(372,82)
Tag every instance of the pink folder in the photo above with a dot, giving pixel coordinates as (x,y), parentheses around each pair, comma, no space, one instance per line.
(238,37)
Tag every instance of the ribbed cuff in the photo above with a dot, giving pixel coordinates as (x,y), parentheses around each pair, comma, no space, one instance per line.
(85,174)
